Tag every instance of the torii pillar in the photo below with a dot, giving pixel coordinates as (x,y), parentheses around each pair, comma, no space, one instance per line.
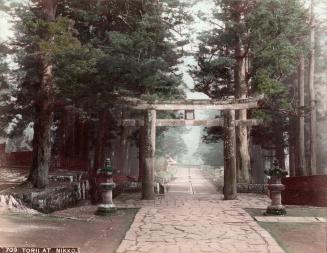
(230,175)
(149,152)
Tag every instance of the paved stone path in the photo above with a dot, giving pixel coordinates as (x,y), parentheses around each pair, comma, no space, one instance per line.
(189,181)
(192,217)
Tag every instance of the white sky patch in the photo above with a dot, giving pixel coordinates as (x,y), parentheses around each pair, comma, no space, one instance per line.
(5,26)
(193,30)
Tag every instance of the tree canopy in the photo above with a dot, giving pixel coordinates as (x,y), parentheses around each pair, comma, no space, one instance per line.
(272,34)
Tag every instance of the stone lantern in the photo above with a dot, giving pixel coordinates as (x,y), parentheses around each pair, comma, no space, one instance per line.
(276,187)
(107,206)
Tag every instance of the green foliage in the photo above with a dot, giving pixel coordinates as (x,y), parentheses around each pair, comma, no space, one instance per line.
(136,58)
(268,86)
(272,34)
(278,36)
(36,36)
(59,37)
(76,76)
(37,40)
(99,50)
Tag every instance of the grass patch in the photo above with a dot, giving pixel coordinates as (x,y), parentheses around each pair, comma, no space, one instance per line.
(90,233)
(298,237)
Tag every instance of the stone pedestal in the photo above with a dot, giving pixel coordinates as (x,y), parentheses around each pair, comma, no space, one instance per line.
(107,207)
(276,188)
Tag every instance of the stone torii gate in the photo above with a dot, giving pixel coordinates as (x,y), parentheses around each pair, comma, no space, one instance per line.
(150,122)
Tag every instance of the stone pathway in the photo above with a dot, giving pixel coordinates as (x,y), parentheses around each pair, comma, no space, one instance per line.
(189,181)
(191,217)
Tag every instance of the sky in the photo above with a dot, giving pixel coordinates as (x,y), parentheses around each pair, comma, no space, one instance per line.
(4,27)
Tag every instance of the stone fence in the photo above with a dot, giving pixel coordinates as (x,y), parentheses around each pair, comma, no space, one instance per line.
(306,190)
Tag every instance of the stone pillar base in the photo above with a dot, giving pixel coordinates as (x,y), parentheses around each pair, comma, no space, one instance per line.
(276,207)
(106,209)
(275,210)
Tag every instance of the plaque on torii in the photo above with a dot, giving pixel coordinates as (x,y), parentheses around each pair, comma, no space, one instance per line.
(189,115)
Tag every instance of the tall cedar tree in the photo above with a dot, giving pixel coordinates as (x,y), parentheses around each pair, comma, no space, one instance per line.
(320,83)
(40,36)
(312,95)
(259,49)
(43,103)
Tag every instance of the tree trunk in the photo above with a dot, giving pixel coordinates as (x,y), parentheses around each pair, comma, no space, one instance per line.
(78,137)
(243,161)
(293,135)
(63,133)
(150,145)
(49,8)
(313,115)
(43,112)
(300,163)
(100,143)
(243,164)
(279,143)
(42,130)
(230,177)
(86,143)
(84,148)
(98,155)
(292,145)
(70,133)
(141,153)
(124,150)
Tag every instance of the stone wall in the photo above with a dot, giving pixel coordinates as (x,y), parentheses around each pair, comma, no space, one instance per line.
(53,199)
(63,192)
(252,188)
